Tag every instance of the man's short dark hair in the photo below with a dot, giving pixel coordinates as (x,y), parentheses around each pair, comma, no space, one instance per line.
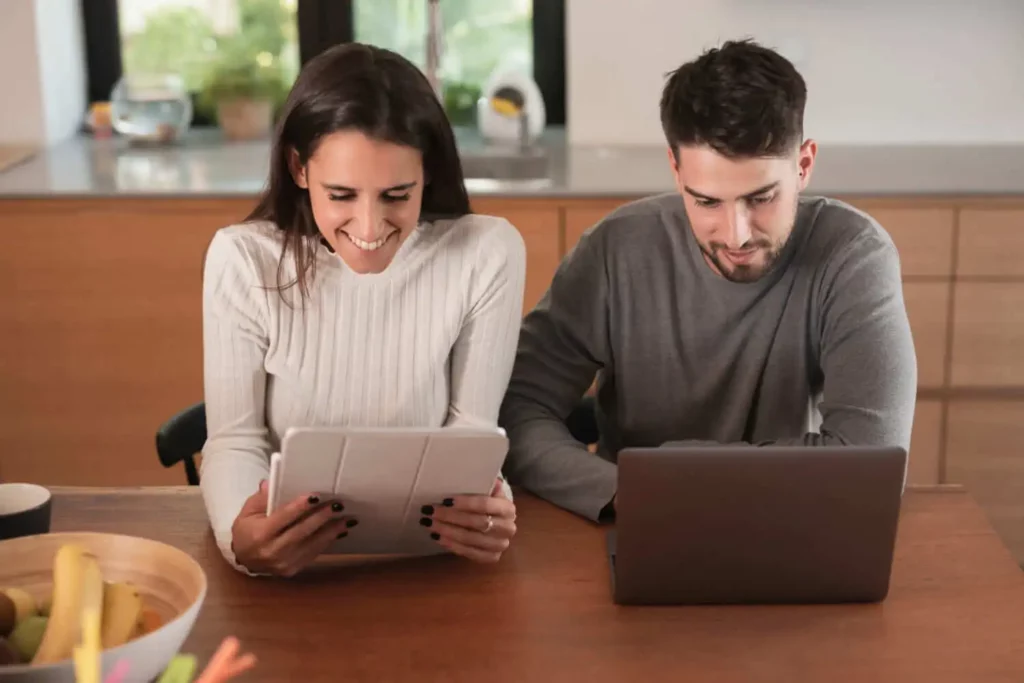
(741,99)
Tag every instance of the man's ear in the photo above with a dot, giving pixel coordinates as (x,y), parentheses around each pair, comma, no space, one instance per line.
(297,170)
(805,162)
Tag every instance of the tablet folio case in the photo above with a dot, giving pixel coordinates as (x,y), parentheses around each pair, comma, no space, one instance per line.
(384,476)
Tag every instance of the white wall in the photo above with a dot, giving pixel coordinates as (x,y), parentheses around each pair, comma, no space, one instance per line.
(60,48)
(42,71)
(877,71)
(21,109)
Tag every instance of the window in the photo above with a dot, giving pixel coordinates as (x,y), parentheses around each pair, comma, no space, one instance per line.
(187,36)
(190,37)
(477,37)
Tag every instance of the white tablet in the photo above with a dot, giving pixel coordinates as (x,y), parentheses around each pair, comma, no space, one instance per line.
(383,476)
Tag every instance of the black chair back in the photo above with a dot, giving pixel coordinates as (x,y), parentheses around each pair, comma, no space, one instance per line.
(180,438)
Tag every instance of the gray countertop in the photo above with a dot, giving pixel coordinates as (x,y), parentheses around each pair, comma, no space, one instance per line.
(205,166)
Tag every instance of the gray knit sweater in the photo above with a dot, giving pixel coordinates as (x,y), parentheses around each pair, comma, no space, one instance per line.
(817,352)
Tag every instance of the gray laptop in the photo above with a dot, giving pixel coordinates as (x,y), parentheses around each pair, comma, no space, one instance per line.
(756,525)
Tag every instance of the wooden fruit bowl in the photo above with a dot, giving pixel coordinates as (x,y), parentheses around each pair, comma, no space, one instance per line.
(170,582)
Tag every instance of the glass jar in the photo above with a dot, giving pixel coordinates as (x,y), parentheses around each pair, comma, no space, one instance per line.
(151,108)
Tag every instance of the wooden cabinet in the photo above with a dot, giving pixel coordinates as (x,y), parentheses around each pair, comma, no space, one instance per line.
(582,215)
(988,334)
(991,243)
(101,328)
(540,223)
(923,236)
(100,339)
(924,459)
(927,308)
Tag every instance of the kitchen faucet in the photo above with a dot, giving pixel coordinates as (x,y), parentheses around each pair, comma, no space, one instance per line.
(435,29)
(508,101)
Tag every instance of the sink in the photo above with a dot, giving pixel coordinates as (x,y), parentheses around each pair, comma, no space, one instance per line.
(506,164)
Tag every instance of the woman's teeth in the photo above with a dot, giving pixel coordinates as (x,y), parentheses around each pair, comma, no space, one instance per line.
(368,246)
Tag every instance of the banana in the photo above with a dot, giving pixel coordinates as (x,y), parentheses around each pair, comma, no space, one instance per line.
(77,588)
(122,613)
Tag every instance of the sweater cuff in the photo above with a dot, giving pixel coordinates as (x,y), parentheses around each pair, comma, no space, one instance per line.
(228,552)
(505,488)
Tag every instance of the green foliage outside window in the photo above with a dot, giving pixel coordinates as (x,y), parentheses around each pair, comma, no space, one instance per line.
(259,54)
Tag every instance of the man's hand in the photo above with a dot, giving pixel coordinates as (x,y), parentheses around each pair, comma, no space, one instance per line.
(289,539)
(479,528)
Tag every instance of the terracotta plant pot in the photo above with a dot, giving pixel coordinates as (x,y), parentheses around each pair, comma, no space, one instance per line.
(242,119)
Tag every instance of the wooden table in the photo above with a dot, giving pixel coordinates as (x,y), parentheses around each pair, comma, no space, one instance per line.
(544,613)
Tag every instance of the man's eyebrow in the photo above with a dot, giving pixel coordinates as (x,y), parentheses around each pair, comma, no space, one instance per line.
(395,188)
(699,195)
(749,195)
(761,190)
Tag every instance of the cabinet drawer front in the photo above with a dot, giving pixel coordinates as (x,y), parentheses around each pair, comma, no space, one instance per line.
(925,444)
(988,334)
(103,341)
(991,242)
(923,237)
(581,217)
(540,224)
(928,309)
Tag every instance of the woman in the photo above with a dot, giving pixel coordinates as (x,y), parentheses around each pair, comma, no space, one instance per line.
(361,291)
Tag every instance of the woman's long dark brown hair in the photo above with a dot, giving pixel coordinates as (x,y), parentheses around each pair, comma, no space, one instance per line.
(379,93)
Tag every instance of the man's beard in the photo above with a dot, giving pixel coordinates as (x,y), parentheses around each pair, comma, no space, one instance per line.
(750,273)
(744,272)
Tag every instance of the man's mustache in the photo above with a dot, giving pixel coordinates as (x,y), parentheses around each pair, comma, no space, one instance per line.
(759,244)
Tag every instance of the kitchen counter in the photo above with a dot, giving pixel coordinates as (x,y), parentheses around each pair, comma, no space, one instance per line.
(203,165)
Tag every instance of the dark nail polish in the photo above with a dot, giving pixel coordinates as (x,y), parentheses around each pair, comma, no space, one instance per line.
(343,534)
(436,536)
(337,507)
(313,499)
(351,523)
(426,521)
(427,509)
(448,502)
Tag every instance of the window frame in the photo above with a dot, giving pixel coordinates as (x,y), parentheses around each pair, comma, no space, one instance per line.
(321,24)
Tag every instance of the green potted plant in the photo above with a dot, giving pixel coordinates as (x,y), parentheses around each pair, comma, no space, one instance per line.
(244,94)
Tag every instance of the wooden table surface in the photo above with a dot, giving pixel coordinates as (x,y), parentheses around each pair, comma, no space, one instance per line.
(955,611)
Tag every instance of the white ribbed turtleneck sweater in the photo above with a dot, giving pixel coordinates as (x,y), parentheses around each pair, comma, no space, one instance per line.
(428,342)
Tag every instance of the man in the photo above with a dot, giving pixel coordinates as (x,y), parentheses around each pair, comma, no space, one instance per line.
(732,311)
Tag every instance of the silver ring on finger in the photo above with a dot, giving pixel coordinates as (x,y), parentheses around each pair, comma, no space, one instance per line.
(490,525)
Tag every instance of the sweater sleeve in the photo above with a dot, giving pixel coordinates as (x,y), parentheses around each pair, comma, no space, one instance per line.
(867,350)
(563,343)
(483,353)
(235,341)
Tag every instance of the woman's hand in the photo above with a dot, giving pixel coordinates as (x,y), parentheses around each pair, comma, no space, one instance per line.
(476,527)
(289,539)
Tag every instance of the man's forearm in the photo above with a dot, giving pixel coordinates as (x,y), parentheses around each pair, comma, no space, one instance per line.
(545,460)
